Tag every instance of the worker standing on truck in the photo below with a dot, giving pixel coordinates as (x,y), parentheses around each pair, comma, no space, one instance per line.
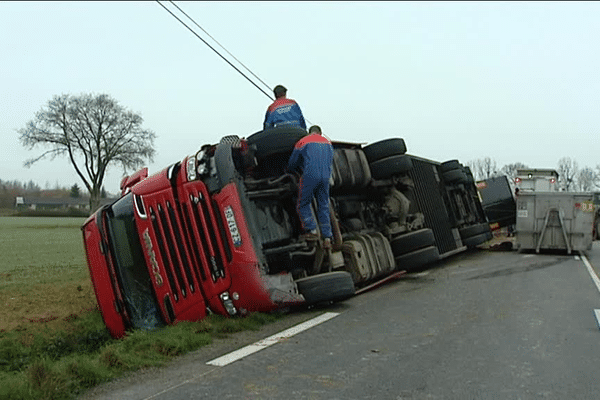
(313,154)
(283,111)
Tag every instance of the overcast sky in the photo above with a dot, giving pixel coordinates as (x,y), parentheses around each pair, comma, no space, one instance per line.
(514,81)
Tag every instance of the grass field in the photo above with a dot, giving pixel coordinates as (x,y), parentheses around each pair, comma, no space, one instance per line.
(53,342)
(43,273)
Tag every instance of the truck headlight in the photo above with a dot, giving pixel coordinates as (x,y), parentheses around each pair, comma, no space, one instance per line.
(191,169)
(228,303)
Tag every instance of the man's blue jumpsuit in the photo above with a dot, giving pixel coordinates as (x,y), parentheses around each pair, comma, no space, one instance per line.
(314,155)
(282,112)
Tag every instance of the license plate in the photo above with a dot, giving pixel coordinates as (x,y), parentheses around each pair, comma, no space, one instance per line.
(233,229)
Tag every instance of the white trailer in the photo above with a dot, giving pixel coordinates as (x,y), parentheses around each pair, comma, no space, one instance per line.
(554,220)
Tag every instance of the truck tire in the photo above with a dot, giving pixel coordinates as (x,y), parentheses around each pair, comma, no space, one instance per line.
(468,172)
(467,179)
(327,287)
(449,166)
(416,259)
(394,165)
(275,141)
(476,240)
(385,148)
(455,175)
(231,139)
(412,241)
(473,230)
(350,169)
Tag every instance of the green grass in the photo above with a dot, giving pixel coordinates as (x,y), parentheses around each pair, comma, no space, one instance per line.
(64,364)
(30,243)
(43,272)
(5,212)
(53,342)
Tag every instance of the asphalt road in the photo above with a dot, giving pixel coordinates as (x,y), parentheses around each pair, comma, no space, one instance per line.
(480,325)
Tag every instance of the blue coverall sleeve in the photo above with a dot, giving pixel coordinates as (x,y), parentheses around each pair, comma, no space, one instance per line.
(301,119)
(267,124)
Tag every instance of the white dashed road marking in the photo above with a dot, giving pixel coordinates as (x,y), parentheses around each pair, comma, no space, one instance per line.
(271,340)
(597,312)
(591,271)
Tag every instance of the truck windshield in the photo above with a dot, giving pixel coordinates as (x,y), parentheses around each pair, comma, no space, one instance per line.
(131,267)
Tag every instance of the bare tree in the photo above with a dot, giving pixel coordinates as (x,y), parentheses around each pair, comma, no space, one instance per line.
(587,179)
(510,171)
(483,168)
(567,172)
(94,132)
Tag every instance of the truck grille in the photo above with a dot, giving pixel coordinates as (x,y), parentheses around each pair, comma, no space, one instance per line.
(187,242)
(171,249)
(198,212)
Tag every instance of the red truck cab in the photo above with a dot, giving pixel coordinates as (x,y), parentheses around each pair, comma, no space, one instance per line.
(169,250)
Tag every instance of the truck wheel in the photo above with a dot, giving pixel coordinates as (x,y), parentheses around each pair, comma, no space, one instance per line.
(384,148)
(455,175)
(449,166)
(416,259)
(476,240)
(473,230)
(327,287)
(275,141)
(394,165)
(412,241)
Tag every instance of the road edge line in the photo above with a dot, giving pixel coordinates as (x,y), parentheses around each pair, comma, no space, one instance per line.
(591,271)
(597,312)
(271,340)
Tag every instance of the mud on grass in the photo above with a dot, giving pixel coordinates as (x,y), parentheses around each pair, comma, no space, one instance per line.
(45,306)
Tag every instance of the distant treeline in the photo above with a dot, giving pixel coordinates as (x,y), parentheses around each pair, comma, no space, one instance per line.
(9,190)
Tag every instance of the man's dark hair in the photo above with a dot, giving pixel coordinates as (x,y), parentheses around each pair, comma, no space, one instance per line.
(315,129)
(279,91)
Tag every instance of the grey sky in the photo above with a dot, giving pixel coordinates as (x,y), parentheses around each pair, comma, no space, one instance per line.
(514,81)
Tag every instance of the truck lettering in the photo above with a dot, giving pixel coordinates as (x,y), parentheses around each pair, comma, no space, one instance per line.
(152,256)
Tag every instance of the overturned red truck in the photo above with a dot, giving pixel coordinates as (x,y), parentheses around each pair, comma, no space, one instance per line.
(218,232)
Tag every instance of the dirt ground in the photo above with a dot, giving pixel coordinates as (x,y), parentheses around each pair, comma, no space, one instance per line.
(500,241)
(55,305)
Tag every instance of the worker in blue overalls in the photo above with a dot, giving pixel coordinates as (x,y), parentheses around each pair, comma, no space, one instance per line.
(313,154)
(283,111)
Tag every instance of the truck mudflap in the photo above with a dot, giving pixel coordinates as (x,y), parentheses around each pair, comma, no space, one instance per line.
(283,290)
